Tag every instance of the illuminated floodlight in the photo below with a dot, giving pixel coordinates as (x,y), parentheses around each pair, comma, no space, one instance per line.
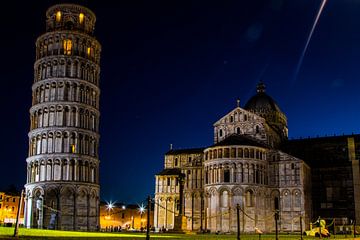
(110,205)
(123,207)
(141,208)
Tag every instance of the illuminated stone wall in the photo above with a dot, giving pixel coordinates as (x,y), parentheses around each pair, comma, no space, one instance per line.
(167,199)
(9,206)
(124,216)
(242,167)
(62,188)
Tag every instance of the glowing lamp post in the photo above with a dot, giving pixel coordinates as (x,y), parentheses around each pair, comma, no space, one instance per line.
(109,208)
(142,210)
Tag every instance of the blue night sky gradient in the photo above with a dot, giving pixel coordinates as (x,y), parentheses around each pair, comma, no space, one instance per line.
(170,69)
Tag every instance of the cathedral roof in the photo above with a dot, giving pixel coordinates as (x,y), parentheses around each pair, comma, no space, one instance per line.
(169,171)
(237,139)
(261,102)
(185,151)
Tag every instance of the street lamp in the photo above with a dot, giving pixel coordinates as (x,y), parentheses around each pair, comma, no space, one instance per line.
(109,207)
(142,210)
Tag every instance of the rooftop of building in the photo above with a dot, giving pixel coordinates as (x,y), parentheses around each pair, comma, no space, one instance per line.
(236,139)
(185,151)
(169,172)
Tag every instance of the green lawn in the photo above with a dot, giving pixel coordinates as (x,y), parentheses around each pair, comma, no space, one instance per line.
(6,233)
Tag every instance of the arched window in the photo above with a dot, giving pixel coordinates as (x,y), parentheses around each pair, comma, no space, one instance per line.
(225,199)
(58,16)
(249,198)
(276,203)
(257,175)
(257,129)
(176,162)
(238,130)
(81,18)
(221,133)
(67,45)
(226,175)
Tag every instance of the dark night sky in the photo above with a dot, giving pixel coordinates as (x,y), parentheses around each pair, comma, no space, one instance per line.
(170,69)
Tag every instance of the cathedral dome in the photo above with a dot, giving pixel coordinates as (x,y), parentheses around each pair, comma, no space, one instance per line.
(263,105)
(261,102)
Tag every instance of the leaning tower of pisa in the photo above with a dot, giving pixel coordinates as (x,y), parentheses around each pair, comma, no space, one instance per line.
(62,187)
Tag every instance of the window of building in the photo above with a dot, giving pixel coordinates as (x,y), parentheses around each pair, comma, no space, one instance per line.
(231,119)
(226,175)
(251,153)
(246,153)
(67,46)
(122,215)
(226,153)
(238,130)
(81,18)
(7,199)
(233,152)
(14,199)
(13,209)
(0,196)
(176,162)
(220,153)
(221,133)
(58,16)
(189,159)
(168,181)
(0,206)
(89,51)
(292,166)
(276,203)
(257,129)
(240,153)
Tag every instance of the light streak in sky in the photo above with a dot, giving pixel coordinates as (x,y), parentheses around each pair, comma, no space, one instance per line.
(309,39)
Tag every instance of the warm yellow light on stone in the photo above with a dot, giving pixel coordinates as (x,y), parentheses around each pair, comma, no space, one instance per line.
(81,18)
(88,51)
(67,46)
(58,16)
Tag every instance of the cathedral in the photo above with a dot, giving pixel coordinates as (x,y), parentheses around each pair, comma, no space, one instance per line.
(254,169)
(62,186)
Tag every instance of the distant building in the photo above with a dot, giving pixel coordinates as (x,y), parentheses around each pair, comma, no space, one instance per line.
(252,163)
(62,185)
(9,205)
(124,217)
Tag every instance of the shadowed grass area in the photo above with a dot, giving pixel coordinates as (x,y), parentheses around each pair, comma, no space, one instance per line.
(6,233)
